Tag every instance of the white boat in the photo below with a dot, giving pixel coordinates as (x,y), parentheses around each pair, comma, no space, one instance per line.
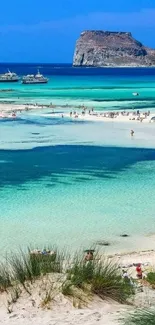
(135,94)
(9,77)
(34,79)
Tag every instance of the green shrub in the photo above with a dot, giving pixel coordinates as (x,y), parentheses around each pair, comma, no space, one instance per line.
(108,283)
(141,317)
(102,277)
(151,277)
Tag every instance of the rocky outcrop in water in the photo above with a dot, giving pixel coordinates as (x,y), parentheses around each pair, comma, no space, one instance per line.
(101,48)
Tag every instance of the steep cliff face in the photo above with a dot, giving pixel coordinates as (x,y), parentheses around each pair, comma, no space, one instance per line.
(99,48)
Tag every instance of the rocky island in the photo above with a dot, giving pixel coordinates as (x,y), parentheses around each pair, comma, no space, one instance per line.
(111,49)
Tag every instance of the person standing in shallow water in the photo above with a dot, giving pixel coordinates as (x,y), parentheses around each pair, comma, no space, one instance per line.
(132,133)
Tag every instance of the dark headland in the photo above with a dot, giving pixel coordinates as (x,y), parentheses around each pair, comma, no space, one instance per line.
(111,49)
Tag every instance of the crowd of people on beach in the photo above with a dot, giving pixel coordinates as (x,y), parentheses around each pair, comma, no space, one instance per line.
(83,112)
(133,115)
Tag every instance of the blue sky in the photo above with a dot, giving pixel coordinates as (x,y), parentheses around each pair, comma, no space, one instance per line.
(46,30)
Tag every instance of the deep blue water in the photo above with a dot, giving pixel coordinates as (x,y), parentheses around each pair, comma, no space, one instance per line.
(19,167)
(67,69)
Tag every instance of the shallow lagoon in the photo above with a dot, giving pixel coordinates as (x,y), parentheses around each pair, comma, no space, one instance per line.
(69,185)
(74,182)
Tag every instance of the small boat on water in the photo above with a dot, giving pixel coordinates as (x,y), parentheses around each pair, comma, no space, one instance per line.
(9,77)
(34,79)
(135,94)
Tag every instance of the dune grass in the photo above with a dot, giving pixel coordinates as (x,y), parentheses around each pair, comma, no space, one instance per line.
(80,280)
(5,278)
(141,317)
(27,267)
(22,267)
(103,278)
(107,282)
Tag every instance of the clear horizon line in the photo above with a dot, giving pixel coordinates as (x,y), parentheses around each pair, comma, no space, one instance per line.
(14,62)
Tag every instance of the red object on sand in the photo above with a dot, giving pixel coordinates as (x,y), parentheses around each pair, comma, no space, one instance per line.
(139,271)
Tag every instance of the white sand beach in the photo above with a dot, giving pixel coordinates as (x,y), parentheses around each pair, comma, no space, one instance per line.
(83,113)
(61,312)
(111,116)
(30,309)
(103,128)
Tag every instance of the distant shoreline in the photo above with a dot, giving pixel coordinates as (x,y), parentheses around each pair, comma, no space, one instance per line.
(81,112)
(114,67)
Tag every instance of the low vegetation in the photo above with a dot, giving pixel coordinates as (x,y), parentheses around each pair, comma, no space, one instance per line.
(76,278)
(5,278)
(102,278)
(141,317)
(25,267)
(151,278)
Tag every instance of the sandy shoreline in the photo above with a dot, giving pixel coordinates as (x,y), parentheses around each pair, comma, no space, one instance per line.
(78,113)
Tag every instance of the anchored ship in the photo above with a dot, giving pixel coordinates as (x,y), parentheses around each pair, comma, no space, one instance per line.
(34,79)
(9,77)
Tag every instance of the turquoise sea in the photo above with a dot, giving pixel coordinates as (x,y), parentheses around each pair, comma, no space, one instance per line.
(72,183)
(102,88)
